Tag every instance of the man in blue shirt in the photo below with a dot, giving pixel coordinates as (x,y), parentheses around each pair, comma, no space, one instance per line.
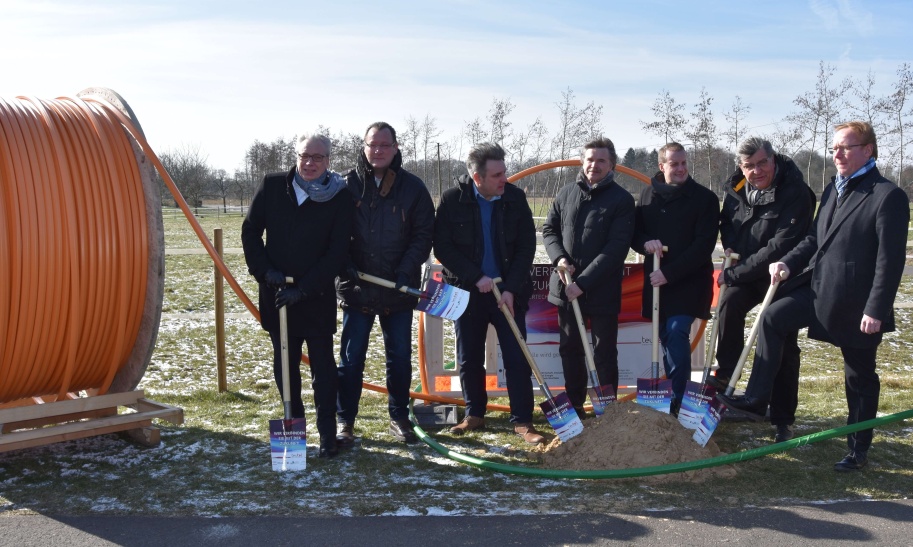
(483,230)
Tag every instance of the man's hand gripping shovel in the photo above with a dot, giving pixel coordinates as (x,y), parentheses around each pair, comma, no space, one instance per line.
(600,395)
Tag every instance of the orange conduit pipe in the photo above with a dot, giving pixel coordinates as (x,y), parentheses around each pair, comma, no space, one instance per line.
(70,270)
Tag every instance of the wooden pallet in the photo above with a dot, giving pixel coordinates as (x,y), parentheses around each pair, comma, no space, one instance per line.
(77,418)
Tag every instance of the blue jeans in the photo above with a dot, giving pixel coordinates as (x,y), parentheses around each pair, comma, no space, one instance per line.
(675,335)
(356,332)
(471,330)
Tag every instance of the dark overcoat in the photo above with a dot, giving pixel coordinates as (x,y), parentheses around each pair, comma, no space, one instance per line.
(309,242)
(854,257)
(592,229)
(686,222)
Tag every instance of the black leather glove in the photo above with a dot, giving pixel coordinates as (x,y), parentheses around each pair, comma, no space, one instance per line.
(274,279)
(402,280)
(352,272)
(289,297)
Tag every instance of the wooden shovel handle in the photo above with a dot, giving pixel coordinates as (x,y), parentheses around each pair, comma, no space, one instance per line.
(752,335)
(516,330)
(283,340)
(714,330)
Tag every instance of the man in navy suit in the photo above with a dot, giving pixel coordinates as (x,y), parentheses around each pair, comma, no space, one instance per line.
(849,268)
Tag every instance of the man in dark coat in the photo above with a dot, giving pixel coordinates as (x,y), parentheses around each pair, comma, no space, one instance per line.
(680,214)
(394,222)
(767,211)
(849,268)
(587,234)
(484,230)
(308,223)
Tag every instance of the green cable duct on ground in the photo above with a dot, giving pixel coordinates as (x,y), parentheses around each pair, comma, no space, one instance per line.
(658,469)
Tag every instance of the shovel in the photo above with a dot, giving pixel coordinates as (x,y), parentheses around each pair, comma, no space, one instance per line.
(752,335)
(558,410)
(653,391)
(288,446)
(698,396)
(600,395)
(438,299)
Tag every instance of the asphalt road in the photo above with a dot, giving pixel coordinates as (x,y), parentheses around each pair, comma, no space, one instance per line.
(878,522)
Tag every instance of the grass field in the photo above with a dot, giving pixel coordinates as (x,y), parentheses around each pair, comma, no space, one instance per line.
(217,463)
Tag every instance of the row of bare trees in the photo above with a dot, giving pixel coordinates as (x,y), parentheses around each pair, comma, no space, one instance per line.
(804,133)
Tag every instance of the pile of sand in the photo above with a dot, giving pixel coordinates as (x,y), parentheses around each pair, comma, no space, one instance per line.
(628,436)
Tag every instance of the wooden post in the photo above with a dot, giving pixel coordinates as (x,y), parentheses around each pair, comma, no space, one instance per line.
(220,315)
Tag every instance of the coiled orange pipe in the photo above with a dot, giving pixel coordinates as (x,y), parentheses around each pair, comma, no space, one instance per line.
(72,268)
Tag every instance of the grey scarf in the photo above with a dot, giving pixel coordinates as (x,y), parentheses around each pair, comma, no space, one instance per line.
(324,189)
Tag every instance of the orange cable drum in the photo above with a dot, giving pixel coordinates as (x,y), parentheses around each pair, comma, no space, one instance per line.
(81,247)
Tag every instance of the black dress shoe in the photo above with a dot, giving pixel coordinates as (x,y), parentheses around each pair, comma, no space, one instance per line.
(784,433)
(751,408)
(854,461)
(720,383)
(328,448)
(402,431)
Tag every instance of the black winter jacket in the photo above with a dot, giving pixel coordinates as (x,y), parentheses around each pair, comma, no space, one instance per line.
(687,223)
(592,229)
(392,235)
(458,239)
(309,242)
(762,234)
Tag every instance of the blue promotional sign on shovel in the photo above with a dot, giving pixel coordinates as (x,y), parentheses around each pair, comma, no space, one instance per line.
(438,299)
(288,445)
(653,391)
(709,421)
(694,404)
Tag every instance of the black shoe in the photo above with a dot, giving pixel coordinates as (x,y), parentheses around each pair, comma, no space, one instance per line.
(345,435)
(784,433)
(751,408)
(402,431)
(580,413)
(328,448)
(720,383)
(674,407)
(854,461)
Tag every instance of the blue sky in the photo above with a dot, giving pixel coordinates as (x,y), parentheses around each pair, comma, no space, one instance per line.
(218,75)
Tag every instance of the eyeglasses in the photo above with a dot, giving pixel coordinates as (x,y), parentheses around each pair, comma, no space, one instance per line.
(844,149)
(379,146)
(316,158)
(753,166)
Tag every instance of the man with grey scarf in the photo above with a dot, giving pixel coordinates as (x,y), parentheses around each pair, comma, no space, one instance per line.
(307,219)
(587,234)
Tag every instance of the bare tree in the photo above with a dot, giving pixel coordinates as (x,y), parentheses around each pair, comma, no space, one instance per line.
(188,167)
(221,184)
(575,125)
(409,139)
(670,121)
(898,107)
(736,118)
(817,112)
(429,134)
(497,118)
(473,132)
(703,133)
